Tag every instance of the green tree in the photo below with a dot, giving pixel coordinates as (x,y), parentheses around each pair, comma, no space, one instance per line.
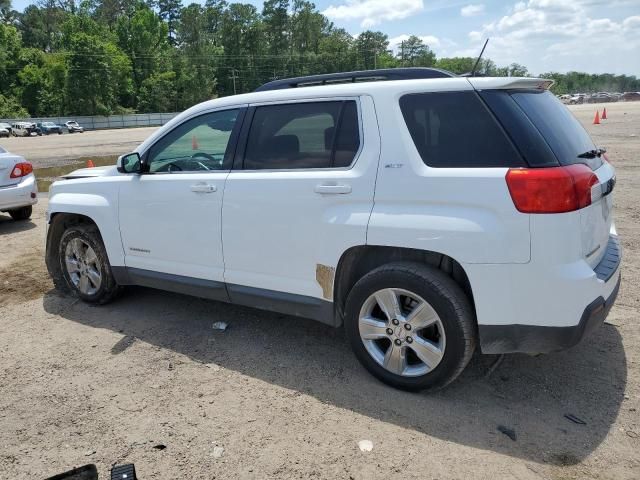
(31,24)
(11,108)
(414,53)
(158,93)
(10,47)
(98,71)
(368,47)
(335,51)
(196,61)
(143,36)
(169,11)
(6,13)
(462,65)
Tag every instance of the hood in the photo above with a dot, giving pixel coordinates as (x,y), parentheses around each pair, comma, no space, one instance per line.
(107,171)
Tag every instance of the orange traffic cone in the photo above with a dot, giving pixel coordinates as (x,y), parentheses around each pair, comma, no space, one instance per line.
(596,119)
(194,143)
(604,113)
(90,164)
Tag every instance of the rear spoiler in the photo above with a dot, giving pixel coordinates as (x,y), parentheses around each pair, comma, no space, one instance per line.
(509,83)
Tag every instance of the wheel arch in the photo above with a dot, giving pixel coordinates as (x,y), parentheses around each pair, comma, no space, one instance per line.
(359,260)
(59,222)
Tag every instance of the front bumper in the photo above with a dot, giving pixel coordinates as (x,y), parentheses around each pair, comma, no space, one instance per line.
(20,195)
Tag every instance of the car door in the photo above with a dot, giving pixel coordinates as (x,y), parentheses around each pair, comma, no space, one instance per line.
(170,216)
(300,194)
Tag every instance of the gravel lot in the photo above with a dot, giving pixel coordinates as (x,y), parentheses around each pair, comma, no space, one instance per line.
(148,380)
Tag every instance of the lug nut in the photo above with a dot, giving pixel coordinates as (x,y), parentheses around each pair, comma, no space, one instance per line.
(397,341)
(395,321)
(407,326)
(409,339)
(389,331)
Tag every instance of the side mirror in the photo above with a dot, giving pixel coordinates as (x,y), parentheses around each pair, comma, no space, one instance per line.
(130,163)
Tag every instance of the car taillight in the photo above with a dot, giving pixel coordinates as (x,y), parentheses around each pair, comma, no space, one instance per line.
(21,169)
(551,190)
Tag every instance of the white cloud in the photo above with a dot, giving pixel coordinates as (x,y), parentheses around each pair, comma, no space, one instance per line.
(475,36)
(430,40)
(373,12)
(557,35)
(472,10)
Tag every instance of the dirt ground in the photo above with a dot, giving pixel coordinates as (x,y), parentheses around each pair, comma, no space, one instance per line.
(52,150)
(148,380)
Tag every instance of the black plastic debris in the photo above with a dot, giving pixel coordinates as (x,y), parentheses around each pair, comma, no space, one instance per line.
(509,432)
(571,417)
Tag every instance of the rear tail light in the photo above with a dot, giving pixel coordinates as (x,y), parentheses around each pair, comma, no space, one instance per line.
(551,190)
(21,169)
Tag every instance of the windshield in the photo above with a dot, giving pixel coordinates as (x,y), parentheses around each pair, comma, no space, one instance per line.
(562,131)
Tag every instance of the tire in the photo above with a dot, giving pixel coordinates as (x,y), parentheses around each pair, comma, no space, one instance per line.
(59,132)
(448,342)
(21,213)
(82,269)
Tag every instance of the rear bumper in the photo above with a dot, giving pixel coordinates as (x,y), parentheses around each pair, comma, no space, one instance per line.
(543,339)
(543,307)
(20,195)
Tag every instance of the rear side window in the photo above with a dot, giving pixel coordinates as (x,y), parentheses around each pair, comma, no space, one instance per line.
(562,131)
(455,129)
(303,135)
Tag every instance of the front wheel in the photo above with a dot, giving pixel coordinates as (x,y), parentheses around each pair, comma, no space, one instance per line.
(410,325)
(85,266)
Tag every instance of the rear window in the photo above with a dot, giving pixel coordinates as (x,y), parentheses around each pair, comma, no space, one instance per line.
(562,131)
(455,129)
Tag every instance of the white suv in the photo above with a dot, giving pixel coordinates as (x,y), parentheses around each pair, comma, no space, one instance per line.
(428,214)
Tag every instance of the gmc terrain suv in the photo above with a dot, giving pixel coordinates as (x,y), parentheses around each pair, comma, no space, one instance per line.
(426,212)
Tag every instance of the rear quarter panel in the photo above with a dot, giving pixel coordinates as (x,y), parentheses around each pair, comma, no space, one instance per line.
(466,213)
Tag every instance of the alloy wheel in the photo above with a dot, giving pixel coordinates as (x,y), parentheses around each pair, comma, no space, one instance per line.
(83,267)
(402,332)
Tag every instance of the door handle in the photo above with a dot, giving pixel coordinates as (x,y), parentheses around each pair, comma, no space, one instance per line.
(333,189)
(203,188)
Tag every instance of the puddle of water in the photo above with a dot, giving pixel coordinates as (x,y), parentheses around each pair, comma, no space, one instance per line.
(45,176)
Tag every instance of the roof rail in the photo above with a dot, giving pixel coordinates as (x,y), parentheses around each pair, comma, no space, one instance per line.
(352,77)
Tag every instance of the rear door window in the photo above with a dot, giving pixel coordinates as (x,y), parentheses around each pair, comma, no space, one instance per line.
(303,135)
(455,129)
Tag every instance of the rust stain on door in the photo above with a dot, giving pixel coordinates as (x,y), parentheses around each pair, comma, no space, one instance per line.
(324,277)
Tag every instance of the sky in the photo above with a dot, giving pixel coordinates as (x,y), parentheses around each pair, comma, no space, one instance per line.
(594,36)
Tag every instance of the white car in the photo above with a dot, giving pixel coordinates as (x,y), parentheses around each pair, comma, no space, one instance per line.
(18,188)
(73,127)
(430,214)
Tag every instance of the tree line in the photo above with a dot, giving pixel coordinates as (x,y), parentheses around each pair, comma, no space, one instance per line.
(101,57)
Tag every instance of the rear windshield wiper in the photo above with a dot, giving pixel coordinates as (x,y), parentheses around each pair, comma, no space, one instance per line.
(592,153)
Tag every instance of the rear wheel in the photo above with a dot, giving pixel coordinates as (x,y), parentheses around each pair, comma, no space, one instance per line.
(21,213)
(85,266)
(410,325)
